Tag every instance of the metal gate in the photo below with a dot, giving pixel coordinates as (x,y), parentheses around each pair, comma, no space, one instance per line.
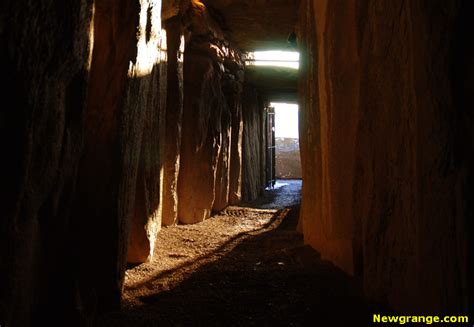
(270,147)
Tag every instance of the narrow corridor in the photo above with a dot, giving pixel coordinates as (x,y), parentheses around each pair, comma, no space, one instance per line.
(140,139)
(245,266)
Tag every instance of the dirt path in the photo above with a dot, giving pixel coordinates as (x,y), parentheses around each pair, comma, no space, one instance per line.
(246,266)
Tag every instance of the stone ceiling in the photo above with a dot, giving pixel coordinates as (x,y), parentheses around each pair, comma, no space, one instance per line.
(255,25)
(274,83)
(258,24)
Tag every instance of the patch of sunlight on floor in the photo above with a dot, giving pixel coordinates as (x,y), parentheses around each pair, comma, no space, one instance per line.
(277,185)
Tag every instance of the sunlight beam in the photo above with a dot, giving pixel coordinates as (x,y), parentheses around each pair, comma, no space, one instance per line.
(287,59)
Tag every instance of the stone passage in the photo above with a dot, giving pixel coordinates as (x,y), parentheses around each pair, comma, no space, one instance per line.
(119,117)
(245,266)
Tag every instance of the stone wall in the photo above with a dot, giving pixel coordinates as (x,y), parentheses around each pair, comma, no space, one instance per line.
(143,123)
(85,95)
(119,175)
(45,58)
(253,144)
(211,68)
(234,91)
(90,102)
(463,99)
(385,192)
(174,116)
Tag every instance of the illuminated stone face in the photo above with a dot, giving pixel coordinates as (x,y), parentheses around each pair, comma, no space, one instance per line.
(151,39)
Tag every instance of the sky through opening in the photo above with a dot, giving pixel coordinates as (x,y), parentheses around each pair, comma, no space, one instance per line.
(286,120)
(287,59)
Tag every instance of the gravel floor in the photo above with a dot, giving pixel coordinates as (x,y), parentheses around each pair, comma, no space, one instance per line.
(246,266)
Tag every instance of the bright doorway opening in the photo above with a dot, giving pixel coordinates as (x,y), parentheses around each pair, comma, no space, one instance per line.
(285,59)
(287,141)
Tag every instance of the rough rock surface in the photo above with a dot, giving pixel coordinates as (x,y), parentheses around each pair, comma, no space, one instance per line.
(257,24)
(143,123)
(119,172)
(222,180)
(209,63)
(253,145)
(386,92)
(234,99)
(229,169)
(45,57)
(100,167)
(249,24)
(385,195)
(174,116)
(85,102)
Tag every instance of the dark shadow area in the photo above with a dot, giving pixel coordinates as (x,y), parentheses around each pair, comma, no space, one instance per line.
(463,90)
(269,279)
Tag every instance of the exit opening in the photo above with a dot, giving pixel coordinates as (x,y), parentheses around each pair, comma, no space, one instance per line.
(285,59)
(287,141)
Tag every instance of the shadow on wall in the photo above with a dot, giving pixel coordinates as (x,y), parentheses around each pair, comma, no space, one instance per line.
(81,148)
(118,188)
(44,92)
(463,91)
